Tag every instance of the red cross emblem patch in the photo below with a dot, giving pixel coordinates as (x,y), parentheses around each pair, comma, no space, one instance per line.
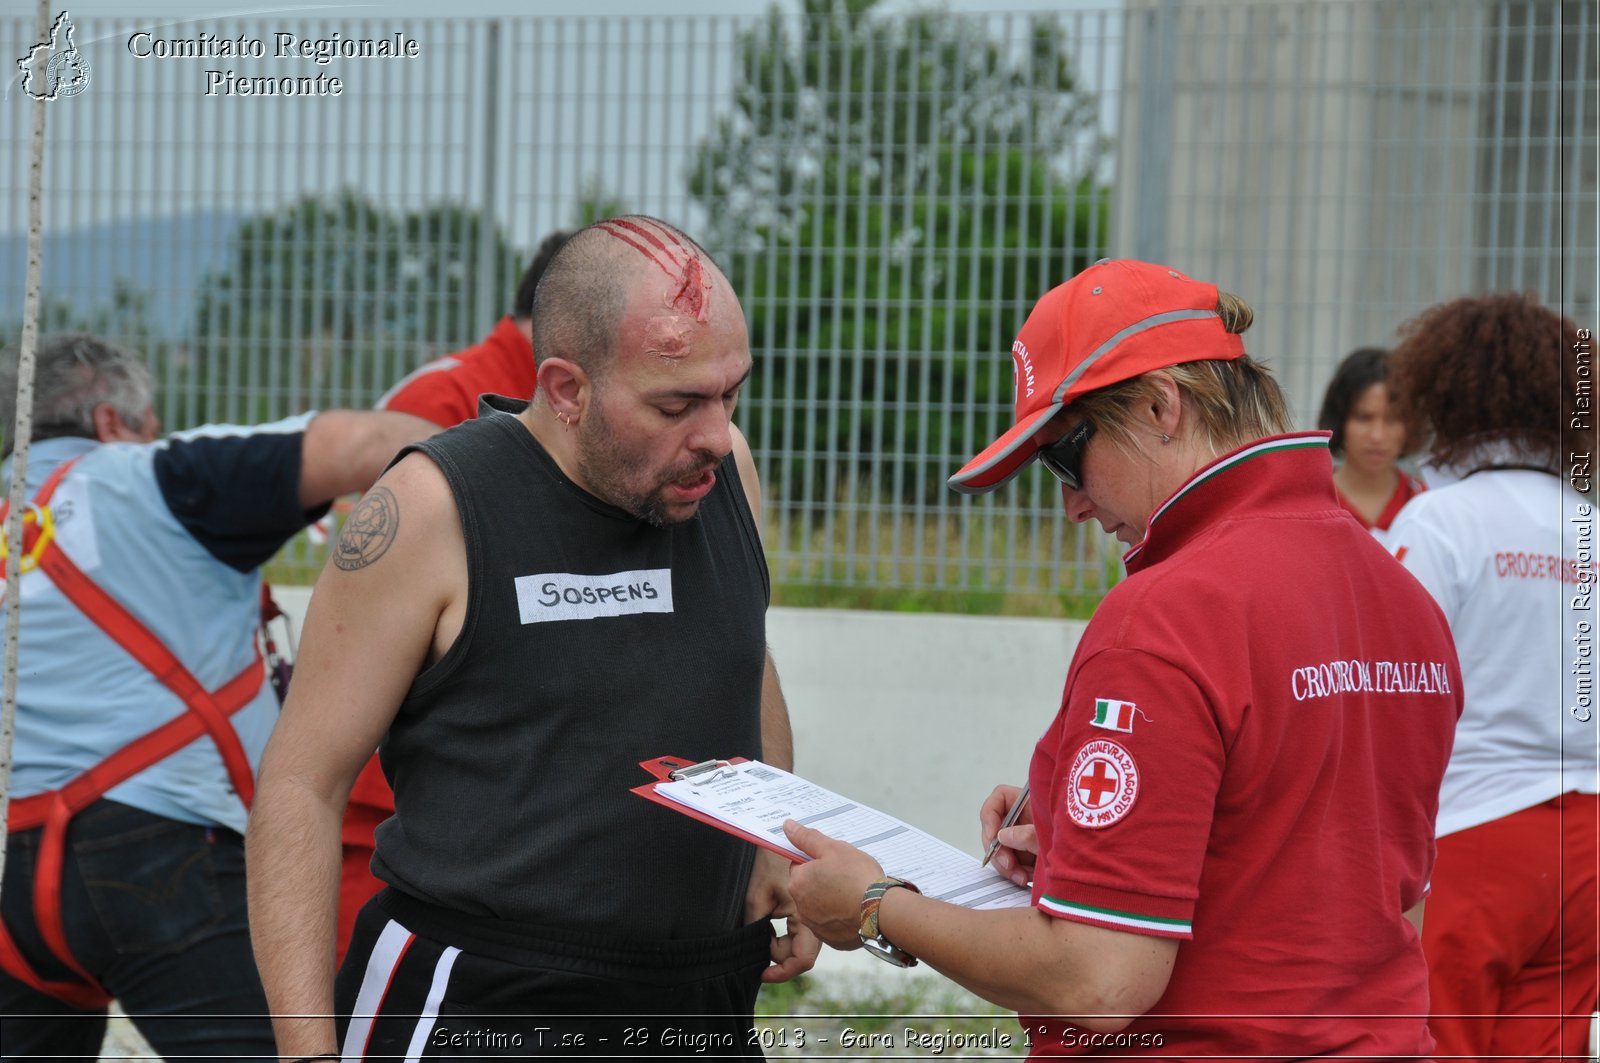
(1102,785)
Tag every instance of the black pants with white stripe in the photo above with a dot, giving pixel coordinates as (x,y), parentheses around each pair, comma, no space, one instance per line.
(420,982)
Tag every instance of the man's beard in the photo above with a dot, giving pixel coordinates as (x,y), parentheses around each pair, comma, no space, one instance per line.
(603,465)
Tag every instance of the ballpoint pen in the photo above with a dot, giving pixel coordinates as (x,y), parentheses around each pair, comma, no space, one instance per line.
(1009,821)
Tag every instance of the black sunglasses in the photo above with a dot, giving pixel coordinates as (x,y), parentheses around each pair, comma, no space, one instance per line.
(1064,457)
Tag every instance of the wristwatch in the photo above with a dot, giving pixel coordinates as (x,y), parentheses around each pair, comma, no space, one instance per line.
(872,938)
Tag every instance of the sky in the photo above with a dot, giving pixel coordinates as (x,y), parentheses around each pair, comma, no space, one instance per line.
(145,145)
(155,101)
(491,8)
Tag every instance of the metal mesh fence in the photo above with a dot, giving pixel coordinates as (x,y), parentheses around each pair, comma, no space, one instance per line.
(889,193)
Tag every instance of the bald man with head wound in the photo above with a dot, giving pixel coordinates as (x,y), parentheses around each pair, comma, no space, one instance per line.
(520,612)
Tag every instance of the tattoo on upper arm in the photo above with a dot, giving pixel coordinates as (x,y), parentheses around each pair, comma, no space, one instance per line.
(369,531)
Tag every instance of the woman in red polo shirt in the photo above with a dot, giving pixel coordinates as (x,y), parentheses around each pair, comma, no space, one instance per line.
(1230,825)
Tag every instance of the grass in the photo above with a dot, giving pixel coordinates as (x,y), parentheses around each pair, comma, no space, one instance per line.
(920,1016)
(990,562)
(1065,605)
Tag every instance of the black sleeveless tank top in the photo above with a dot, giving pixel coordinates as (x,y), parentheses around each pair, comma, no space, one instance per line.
(592,641)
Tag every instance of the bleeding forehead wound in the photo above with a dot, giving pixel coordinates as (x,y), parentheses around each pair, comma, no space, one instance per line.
(690,298)
(670,255)
(667,337)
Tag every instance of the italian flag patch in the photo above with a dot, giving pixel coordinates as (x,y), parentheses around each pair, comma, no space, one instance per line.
(1114,715)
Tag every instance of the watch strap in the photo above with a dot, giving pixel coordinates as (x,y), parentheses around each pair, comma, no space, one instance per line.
(868,930)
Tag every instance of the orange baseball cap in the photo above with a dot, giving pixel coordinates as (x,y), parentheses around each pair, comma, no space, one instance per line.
(1110,323)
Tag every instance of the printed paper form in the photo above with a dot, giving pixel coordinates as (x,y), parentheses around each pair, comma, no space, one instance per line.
(757,798)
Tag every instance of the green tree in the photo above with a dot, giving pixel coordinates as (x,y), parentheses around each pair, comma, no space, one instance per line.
(596,203)
(329,301)
(124,319)
(891,194)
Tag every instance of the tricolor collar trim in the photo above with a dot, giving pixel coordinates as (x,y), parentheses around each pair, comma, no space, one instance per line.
(1297,441)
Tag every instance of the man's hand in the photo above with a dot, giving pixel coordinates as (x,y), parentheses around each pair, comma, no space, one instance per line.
(1019,845)
(794,953)
(828,889)
(768,898)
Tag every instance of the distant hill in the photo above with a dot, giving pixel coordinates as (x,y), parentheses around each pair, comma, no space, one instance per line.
(165,258)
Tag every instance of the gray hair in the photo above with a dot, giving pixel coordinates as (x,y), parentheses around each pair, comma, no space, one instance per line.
(73,374)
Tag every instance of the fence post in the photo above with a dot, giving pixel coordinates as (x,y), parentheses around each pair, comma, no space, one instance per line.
(491,299)
(1152,187)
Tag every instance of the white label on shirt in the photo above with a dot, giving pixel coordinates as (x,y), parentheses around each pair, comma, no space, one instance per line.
(569,596)
(1333,678)
(73,511)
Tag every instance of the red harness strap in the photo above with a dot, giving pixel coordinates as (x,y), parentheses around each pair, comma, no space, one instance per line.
(207,714)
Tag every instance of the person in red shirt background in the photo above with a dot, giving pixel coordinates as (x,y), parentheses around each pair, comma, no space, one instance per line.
(445,391)
(1369,438)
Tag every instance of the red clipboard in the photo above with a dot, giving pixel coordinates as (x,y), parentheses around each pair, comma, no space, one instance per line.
(662,768)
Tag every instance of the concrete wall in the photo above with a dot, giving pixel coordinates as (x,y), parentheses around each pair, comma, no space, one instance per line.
(1343,164)
(918,715)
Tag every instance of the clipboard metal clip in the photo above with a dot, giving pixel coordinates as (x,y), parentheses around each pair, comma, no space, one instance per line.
(705,771)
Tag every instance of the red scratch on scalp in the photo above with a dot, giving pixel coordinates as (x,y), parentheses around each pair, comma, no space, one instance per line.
(645,234)
(668,233)
(691,296)
(608,230)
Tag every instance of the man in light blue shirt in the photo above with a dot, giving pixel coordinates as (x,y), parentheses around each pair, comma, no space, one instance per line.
(139,894)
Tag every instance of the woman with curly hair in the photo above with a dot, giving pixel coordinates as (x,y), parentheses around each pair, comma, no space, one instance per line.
(1368,440)
(1511,928)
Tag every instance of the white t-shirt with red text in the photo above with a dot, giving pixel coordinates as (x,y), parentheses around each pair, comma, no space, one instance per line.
(1509,556)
